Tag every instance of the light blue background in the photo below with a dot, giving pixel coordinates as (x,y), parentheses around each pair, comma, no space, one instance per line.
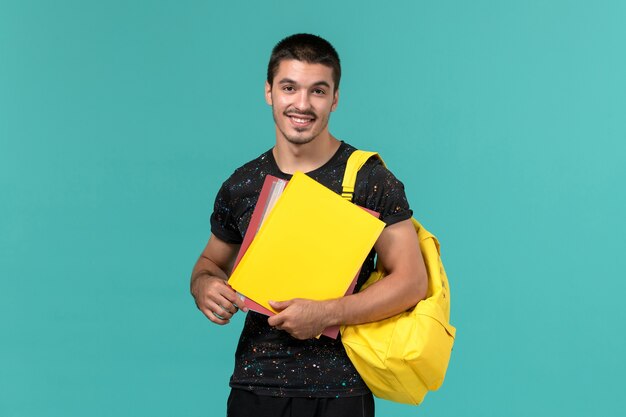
(120,119)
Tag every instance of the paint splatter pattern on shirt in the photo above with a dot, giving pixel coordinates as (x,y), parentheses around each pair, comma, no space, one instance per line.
(269,361)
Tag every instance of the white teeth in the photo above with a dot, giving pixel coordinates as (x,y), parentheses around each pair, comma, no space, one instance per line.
(300,120)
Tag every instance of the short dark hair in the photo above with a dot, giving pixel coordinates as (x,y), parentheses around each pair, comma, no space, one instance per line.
(306,48)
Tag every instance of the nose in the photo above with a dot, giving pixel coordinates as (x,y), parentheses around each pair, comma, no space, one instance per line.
(302,102)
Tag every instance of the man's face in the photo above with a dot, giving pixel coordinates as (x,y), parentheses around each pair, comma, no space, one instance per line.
(302,97)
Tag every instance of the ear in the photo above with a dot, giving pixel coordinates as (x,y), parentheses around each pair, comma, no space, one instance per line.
(335,100)
(268,93)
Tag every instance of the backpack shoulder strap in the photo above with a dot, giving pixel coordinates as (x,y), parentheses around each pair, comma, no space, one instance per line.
(354,164)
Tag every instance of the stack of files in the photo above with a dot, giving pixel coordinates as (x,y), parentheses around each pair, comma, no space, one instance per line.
(303,241)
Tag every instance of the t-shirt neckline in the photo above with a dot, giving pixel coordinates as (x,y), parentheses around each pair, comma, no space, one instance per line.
(286,176)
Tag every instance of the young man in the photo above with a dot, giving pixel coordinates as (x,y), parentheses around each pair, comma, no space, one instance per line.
(280,367)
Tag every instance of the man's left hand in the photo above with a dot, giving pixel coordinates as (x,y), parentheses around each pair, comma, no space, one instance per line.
(301,318)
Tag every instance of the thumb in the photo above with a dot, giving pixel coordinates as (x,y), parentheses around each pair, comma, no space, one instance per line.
(280,305)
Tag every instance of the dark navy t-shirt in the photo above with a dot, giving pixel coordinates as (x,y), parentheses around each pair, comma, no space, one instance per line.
(269,361)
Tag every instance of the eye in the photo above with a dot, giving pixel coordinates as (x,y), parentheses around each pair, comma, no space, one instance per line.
(319,91)
(288,88)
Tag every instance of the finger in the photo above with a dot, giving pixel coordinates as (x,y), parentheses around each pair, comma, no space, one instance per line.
(240,302)
(218,320)
(211,316)
(228,306)
(276,321)
(220,311)
(222,301)
(280,305)
(236,300)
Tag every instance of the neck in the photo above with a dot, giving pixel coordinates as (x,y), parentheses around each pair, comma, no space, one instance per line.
(307,157)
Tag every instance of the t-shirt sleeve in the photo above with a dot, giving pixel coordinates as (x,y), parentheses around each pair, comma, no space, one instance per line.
(379,190)
(223,221)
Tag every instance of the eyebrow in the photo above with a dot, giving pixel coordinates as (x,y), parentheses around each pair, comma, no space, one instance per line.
(290,81)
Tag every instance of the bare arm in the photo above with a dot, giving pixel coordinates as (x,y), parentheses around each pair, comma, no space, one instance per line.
(209,286)
(405,284)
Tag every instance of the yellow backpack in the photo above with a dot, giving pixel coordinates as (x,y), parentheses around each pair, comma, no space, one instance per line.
(405,356)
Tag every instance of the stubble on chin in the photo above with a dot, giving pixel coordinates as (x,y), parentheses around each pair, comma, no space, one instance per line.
(298,139)
(302,139)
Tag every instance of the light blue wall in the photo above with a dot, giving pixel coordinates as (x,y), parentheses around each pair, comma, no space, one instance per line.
(119,120)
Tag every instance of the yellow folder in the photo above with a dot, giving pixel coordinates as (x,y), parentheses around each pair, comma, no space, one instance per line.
(311,245)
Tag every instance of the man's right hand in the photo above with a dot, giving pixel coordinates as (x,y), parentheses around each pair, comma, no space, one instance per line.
(216,299)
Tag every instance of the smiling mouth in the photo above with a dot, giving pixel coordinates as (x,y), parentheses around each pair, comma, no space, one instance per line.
(301,120)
